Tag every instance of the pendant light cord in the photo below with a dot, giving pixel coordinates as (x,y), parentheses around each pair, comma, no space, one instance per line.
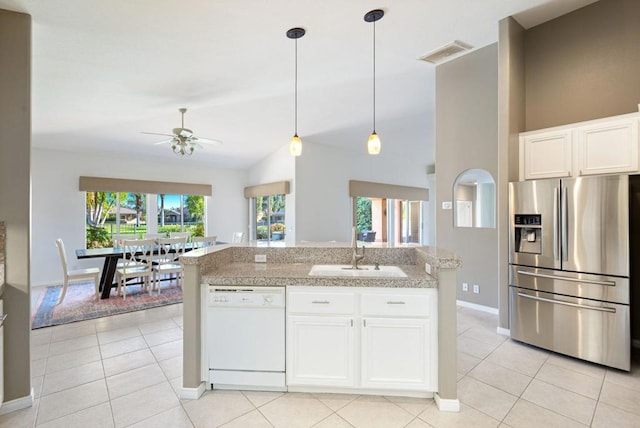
(296,90)
(374,76)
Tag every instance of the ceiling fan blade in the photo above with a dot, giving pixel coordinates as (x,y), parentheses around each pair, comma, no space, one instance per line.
(156,133)
(163,142)
(183,132)
(206,141)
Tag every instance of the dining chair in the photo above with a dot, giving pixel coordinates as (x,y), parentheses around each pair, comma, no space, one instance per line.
(136,263)
(180,235)
(203,241)
(154,235)
(72,275)
(237,237)
(167,261)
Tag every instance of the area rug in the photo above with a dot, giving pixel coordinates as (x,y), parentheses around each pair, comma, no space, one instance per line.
(80,304)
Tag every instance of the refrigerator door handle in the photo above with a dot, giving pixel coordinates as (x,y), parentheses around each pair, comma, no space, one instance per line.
(556,229)
(562,278)
(575,305)
(564,207)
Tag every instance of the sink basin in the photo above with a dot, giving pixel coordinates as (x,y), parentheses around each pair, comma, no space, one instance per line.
(363,271)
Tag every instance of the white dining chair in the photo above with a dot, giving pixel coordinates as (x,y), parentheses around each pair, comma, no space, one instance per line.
(136,263)
(186,235)
(167,261)
(72,275)
(154,235)
(203,241)
(237,237)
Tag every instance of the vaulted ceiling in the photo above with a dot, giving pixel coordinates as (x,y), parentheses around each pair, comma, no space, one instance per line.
(105,71)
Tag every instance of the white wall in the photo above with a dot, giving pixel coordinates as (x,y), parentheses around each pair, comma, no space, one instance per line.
(323,205)
(279,166)
(58,206)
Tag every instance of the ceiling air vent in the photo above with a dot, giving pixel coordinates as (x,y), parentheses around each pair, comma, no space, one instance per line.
(445,52)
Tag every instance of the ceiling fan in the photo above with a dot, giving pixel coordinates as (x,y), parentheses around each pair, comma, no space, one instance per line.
(182,141)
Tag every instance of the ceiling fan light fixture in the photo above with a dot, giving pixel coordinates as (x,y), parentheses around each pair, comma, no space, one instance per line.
(374,144)
(295,145)
(182,141)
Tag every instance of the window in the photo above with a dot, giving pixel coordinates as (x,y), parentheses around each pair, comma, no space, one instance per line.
(387,212)
(181,213)
(115,206)
(267,211)
(109,214)
(388,220)
(269,214)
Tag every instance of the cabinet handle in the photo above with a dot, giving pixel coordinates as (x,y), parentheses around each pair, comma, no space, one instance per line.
(395,302)
(320,302)
(351,323)
(364,323)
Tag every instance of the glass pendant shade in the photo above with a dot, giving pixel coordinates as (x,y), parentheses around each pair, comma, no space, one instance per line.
(373,145)
(295,146)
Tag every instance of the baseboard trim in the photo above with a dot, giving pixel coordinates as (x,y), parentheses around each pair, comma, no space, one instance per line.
(447,404)
(635,343)
(477,307)
(503,331)
(17,404)
(192,393)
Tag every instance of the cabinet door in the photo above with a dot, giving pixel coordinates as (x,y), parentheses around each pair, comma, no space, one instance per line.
(397,353)
(320,351)
(546,155)
(606,148)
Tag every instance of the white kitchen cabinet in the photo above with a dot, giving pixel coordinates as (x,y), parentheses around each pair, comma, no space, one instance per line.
(602,146)
(546,154)
(320,351)
(609,147)
(396,353)
(387,341)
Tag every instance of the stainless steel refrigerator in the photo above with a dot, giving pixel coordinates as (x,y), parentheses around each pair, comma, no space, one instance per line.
(569,267)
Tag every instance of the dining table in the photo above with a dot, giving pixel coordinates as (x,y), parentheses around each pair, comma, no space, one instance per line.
(111,256)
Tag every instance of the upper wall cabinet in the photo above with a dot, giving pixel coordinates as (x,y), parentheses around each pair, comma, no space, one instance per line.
(602,146)
(546,154)
(608,147)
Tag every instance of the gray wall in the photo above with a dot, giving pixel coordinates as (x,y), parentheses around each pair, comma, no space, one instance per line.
(467,138)
(15,196)
(584,65)
(511,117)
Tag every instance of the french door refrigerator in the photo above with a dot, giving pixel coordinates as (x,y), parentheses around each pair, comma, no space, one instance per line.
(569,267)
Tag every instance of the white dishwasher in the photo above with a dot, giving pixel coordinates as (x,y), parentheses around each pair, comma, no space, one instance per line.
(245,334)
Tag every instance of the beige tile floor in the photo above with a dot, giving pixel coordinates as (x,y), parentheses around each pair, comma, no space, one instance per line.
(125,371)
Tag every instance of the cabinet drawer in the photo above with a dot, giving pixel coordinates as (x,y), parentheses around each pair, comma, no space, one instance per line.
(315,302)
(399,305)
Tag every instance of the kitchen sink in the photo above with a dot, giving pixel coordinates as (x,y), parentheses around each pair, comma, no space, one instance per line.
(363,271)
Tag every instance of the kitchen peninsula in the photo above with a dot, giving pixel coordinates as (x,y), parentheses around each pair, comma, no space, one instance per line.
(288,267)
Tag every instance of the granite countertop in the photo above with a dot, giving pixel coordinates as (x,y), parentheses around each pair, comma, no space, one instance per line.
(282,274)
(291,264)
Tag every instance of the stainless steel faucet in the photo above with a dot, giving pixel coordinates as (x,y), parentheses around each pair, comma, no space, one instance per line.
(355,258)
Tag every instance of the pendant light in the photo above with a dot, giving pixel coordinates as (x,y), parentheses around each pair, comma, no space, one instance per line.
(295,145)
(373,144)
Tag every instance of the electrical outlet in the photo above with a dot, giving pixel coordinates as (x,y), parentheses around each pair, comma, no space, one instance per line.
(476,288)
(261,258)
(465,286)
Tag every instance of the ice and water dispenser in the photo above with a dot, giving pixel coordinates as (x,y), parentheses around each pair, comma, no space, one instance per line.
(528,233)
